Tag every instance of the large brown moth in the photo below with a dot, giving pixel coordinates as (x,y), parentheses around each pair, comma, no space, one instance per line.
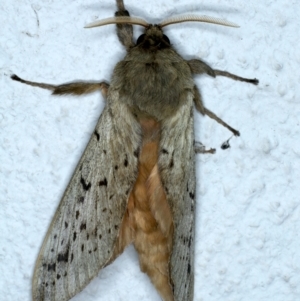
(135,182)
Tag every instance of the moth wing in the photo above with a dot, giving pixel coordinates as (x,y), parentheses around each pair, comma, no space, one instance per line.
(82,234)
(177,166)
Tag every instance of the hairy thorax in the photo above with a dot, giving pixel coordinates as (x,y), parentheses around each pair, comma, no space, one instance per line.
(153,83)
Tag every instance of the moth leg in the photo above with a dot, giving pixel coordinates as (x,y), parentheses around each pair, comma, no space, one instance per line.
(204,111)
(124,31)
(219,120)
(75,88)
(198,101)
(199,148)
(253,81)
(199,67)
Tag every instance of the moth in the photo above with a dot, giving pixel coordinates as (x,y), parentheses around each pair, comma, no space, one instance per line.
(135,182)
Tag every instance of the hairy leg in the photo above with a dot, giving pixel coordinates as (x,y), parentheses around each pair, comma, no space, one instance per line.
(204,111)
(75,88)
(199,67)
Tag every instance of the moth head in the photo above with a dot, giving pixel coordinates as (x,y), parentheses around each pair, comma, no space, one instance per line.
(153,36)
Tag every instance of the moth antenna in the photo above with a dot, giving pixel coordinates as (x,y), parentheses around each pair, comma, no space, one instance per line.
(194,18)
(118,20)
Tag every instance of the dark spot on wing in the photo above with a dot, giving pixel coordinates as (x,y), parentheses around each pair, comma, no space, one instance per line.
(185,240)
(55,236)
(95,249)
(53,283)
(189,269)
(85,186)
(52,267)
(104,151)
(171,165)
(88,236)
(192,196)
(81,200)
(72,257)
(63,256)
(66,225)
(104,210)
(52,250)
(74,236)
(65,274)
(77,214)
(97,135)
(103,182)
(136,152)
(58,276)
(90,251)
(100,236)
(95,232)
(82,226)
(164,151)
(111,196)
(62,242)
(82,247)
(109,231)
(116,167)
(126,162)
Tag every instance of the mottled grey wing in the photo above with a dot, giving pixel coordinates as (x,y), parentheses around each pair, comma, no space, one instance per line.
(83,232)
(177,166)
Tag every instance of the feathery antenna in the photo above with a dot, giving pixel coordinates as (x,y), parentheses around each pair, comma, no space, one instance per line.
(194,18)
(118,20)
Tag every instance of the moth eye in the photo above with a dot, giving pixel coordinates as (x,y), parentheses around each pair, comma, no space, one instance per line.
(140,39)
(166,39)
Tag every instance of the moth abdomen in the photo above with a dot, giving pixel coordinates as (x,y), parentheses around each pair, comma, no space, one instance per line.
(148,222)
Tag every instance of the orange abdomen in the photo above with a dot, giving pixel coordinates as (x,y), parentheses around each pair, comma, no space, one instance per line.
(148,221)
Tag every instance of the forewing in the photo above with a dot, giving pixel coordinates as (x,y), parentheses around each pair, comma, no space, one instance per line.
(83,232)
(177,166)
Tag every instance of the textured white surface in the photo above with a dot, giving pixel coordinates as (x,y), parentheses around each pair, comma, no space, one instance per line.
(248,214)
